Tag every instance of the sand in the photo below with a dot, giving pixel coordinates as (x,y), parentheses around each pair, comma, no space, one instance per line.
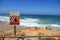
(6,28)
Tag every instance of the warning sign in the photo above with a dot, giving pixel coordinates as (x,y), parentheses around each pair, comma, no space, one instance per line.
(14,18)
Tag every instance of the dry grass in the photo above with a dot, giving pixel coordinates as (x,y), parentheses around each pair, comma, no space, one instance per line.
(28,32)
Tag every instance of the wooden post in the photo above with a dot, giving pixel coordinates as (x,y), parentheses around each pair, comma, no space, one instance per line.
(18,38)
(59,38)
(39,38)
(23,38)
(14,30)
(3,38)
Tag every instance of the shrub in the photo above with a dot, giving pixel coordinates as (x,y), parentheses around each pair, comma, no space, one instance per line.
(48,39)
(7,34)
(28,39)
(23,34)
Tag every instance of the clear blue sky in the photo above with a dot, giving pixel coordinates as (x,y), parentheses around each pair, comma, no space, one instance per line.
(31,6)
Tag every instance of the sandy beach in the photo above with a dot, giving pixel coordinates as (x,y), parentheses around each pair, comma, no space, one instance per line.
(6,26)
(8,30)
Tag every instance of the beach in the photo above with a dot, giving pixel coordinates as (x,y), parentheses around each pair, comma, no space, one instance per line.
(31,25)
(8,30)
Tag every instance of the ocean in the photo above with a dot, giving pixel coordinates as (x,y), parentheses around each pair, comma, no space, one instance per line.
(30,20)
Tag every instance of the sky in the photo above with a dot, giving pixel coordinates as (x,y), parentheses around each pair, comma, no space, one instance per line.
(48,7)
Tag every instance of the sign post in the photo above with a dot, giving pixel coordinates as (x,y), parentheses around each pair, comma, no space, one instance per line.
(14,20)
(15,30)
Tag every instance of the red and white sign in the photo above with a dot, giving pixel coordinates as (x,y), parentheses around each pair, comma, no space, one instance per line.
(14,18)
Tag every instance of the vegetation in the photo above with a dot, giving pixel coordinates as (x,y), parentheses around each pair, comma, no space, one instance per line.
(18,34)
(48,39)
(7,34)
(28,39)
(41,34)
(23,34)
(36,28)
(48,28)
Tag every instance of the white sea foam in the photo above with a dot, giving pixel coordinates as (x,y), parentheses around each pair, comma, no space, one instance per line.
(30,22)
(33,22)
(4,18)
(55,25)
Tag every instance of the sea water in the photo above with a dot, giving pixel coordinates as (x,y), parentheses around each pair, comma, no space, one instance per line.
(29,20)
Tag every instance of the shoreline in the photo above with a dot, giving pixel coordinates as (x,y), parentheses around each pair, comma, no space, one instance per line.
(6,25)
(29,31)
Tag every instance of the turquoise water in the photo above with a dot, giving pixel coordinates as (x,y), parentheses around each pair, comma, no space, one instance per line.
(29,20)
